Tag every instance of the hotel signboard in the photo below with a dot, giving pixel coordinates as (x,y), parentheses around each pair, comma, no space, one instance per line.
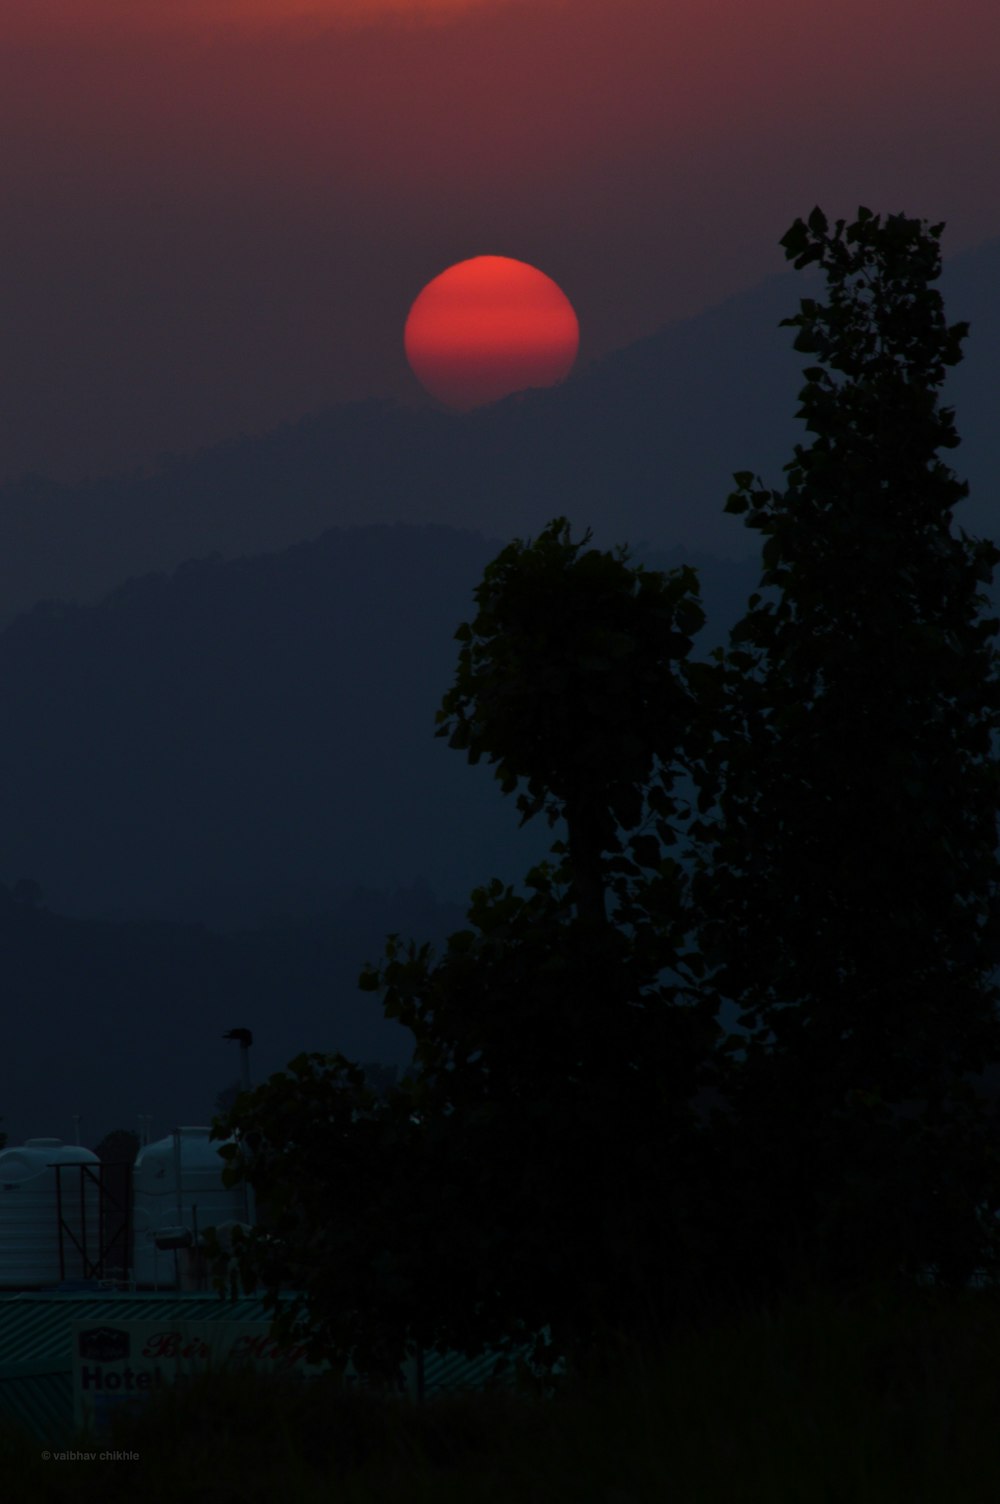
(121,1363)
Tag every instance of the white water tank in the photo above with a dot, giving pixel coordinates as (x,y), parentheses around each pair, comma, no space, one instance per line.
(176,1187)
(30,1213)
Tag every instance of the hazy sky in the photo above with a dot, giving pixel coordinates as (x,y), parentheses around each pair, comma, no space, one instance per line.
(217,212)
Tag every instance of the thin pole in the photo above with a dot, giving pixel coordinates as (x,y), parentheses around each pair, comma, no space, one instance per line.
(177,1176)
(83,1223)
(62,1248)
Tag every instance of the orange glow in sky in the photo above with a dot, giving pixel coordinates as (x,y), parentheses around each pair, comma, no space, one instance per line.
(488,327)
(51,20)
(216,213)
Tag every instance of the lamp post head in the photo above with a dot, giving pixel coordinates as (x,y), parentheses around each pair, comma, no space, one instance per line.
(245,1036)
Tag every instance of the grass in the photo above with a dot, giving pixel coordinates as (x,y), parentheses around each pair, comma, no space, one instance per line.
(892,1397)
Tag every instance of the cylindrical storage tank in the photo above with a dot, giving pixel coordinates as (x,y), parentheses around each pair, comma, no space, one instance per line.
(177,1186)
(30,1203)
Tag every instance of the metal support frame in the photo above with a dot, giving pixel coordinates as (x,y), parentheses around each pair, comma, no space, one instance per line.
(106,1201)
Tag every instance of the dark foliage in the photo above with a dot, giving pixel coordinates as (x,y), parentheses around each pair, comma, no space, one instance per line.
(551,1162)
(851,894)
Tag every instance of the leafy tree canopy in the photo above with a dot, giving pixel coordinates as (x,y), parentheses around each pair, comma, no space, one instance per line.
(547,1034)
(546,1164)
(851,894)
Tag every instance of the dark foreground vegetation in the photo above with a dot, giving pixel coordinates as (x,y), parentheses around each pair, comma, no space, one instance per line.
(728,1042)
(875,1399)
(699,1104)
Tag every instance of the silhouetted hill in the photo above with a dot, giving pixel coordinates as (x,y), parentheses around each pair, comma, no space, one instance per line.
(248,743)
(253,736)
(112,1020)
(641,445)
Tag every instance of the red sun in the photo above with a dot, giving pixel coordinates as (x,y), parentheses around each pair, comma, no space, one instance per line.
(488,327)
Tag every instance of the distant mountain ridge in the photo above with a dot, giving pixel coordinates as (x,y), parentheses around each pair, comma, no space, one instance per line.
(196,746)
(217,779)
(250,736)
(110,1020)
(641,445)
(246,742)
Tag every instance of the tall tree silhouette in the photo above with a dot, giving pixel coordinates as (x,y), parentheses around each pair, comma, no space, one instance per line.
(562,683)
(544,1163)
(523,1176)
(852,885)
